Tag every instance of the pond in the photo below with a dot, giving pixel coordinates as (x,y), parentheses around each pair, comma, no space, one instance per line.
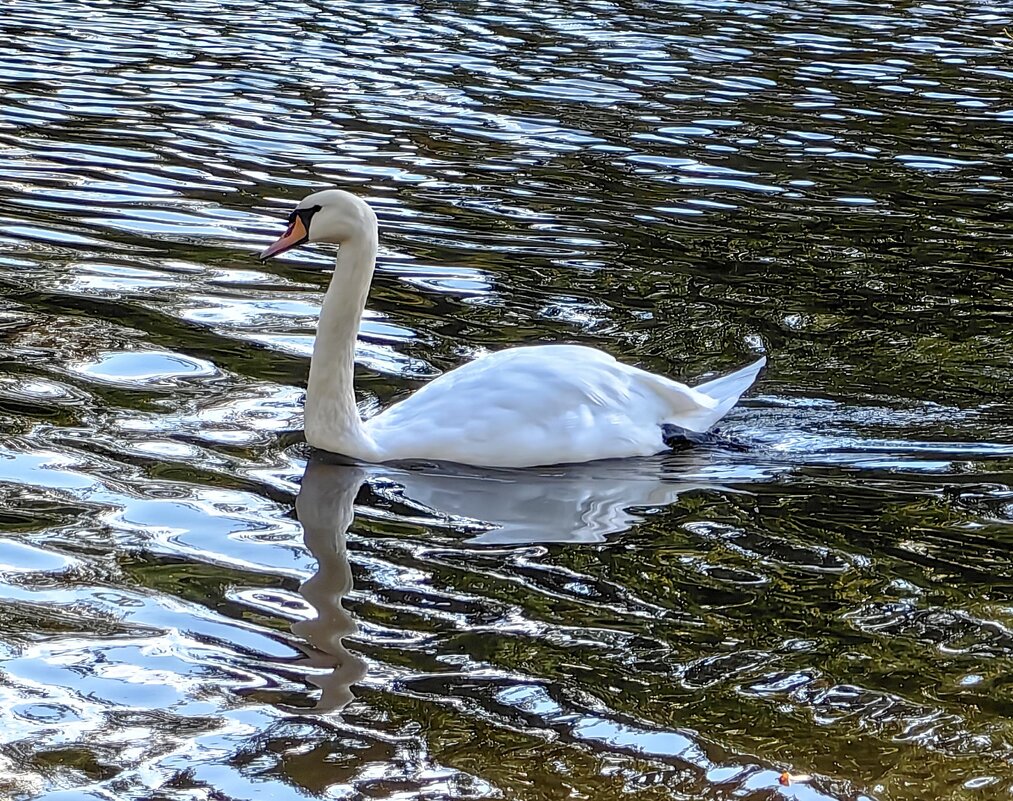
(190,611)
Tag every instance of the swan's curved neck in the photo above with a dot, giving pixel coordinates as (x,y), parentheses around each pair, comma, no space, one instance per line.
(332,419)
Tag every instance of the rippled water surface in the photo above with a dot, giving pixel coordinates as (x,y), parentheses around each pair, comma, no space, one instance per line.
(188,611)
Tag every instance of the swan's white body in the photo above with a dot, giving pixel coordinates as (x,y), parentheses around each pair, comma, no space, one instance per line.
(522,407)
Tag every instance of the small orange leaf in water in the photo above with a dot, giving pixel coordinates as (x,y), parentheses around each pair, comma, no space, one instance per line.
(785,779)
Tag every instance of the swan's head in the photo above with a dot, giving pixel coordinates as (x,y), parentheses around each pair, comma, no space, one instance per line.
(331,216)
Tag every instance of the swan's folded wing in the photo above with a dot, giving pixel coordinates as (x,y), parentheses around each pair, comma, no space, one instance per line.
(548,404)
(527,406)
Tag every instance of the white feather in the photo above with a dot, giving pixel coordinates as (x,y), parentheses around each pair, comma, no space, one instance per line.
(547,404)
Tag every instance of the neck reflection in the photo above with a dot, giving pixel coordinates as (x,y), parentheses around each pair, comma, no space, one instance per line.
(325,507)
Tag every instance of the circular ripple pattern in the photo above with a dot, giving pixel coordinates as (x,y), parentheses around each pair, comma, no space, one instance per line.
(685,184)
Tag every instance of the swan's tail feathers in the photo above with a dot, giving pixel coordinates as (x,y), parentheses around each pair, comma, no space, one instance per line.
(727,390)
(732,386)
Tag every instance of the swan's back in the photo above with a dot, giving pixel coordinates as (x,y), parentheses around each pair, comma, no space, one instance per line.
(544,404)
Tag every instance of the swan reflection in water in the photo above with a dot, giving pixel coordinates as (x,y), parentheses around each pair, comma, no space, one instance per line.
(575,504)
(325,507)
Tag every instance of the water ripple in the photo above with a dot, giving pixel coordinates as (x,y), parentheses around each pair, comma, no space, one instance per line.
(192,608)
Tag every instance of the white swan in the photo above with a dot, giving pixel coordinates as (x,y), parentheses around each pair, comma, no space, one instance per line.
(521,407)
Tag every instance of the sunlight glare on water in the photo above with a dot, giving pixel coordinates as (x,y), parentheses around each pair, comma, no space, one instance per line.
(190,611)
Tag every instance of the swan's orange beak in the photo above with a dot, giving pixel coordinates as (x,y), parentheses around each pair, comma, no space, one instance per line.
(295,235)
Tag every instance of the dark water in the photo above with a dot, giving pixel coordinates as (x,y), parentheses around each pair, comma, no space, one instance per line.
(684,184)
